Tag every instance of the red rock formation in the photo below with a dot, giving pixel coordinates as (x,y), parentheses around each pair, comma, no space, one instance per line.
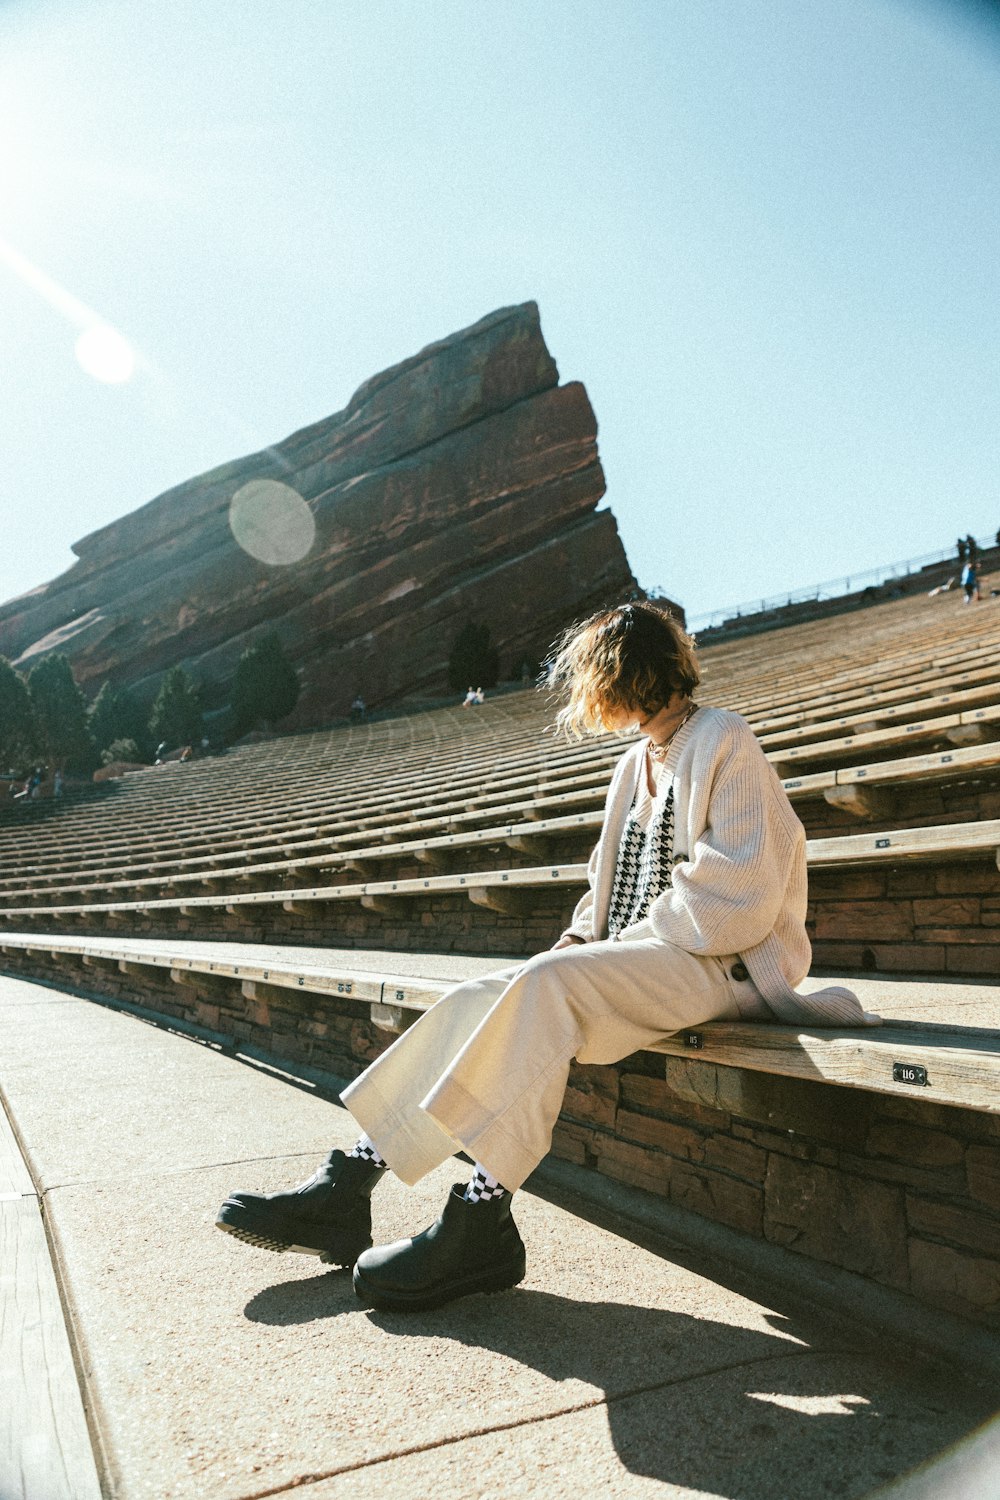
(462,482)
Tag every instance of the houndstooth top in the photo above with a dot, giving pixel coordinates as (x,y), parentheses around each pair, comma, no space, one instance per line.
(645,858)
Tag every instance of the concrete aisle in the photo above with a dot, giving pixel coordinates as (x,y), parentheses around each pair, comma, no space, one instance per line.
(215,1370)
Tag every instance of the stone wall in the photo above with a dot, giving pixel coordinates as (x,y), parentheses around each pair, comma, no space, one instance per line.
(935,918)
(904,1192)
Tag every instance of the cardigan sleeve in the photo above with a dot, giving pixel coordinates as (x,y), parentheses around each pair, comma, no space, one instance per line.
(582,921)
(727,894)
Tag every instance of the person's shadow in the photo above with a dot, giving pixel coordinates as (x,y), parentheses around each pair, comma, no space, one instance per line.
(782,1410)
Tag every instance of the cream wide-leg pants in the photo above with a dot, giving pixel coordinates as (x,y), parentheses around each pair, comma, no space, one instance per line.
(485,1068)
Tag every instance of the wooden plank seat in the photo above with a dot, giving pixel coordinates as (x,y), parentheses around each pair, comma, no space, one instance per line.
(904,689)
(384,807)
(961,1063)
(844,787)
(766,689)
(945,842)
(591,794)
(863,790)
(962,728)
(298,777)
(336,812)
(471,883)
(882,715)
(515,835)
(329,841)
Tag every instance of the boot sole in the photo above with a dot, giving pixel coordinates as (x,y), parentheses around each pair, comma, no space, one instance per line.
(498,1280)
(336,1251)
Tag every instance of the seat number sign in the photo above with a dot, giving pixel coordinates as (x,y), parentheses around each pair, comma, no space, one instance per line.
(911,1073)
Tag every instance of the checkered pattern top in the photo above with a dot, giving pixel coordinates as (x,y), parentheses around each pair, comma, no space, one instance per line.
(645,865)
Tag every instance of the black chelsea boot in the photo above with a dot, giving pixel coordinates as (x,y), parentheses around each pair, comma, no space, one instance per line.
(471,1247)
(330,1215)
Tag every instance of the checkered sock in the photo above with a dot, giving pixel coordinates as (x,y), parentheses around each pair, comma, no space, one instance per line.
(483,1186)
(368,1151)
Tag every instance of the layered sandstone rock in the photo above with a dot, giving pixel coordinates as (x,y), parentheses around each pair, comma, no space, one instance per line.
(462,483)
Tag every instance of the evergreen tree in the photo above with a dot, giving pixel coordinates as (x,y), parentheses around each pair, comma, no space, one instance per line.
(176,716)
(63,738)
(116,714)
(266,686)
(474,662)
(17,720)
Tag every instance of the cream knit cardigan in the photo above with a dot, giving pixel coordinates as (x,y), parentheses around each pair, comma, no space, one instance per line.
(739,876)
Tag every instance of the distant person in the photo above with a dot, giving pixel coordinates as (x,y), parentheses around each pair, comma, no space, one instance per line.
(470,699)
(696,912)
(970,583)
(185,754)
(161,751)
(961,549)
(37,777)
(57,784)
(359,709)
(972,549)
(480,695)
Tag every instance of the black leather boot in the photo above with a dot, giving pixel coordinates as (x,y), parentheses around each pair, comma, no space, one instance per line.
(329,1216)
(472,1247)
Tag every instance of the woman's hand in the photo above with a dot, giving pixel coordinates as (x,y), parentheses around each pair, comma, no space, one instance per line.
(566,942)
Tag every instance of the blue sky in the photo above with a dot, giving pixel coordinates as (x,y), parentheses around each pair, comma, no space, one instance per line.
(763,233)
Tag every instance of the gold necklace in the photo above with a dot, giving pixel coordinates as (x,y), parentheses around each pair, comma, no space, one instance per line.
(659,752)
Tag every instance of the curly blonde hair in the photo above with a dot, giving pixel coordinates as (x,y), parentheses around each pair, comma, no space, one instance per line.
(632,656)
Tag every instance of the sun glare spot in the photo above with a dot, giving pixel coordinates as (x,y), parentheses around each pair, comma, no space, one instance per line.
(105,354)
(272,522)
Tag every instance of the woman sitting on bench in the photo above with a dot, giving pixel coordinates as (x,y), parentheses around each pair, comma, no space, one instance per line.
(695,912)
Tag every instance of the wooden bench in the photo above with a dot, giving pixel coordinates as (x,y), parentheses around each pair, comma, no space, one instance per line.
(946,1064)
(969,727)
(505,890)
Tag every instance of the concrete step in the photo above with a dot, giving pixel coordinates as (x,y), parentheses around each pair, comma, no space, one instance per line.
(632,1361)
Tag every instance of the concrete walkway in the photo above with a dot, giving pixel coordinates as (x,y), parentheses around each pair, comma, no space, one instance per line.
(626,1364)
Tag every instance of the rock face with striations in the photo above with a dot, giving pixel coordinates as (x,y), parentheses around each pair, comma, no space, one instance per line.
(460,484)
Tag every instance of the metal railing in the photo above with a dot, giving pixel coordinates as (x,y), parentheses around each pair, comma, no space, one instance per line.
(833,588)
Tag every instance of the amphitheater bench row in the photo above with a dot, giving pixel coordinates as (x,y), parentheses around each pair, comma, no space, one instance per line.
(907,687)
(956,1066)
(510,891)
(972,727)
(754,679)
(334,812)
(863,791)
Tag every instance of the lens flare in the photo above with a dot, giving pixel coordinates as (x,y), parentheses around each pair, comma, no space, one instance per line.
(105,354)
(101,350)
(272,522)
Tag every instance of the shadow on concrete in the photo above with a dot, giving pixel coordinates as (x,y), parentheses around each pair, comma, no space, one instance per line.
(746,1413)
(310,1300)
